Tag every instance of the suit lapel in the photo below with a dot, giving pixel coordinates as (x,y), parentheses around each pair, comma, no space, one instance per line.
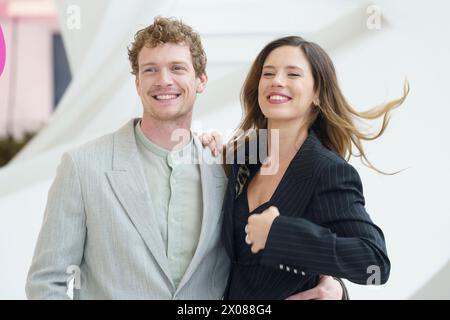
(127,181)
(213,182)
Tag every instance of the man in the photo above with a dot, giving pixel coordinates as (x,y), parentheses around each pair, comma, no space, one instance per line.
(126,209)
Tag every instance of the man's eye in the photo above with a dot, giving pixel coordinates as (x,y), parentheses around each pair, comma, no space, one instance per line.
(178,68)
(149,70)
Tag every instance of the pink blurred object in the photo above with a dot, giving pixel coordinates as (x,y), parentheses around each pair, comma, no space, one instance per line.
(2,51)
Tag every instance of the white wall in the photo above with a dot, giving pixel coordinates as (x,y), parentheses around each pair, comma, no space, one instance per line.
(410,207)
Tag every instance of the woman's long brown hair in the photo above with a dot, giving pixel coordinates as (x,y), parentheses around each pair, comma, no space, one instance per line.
(333,120)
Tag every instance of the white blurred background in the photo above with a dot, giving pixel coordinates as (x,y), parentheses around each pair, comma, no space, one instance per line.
(375,45)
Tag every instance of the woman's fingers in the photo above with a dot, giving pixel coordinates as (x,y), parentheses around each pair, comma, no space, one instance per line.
(310,294)
(247,240)
(206,139)
(218,140)
(213,141)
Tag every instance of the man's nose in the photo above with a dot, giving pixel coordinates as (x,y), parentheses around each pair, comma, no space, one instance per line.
(164,78)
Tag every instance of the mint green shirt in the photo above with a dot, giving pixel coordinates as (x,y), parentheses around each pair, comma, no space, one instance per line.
(176,192)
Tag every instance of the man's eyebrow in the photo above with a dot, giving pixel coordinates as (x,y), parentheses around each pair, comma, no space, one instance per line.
(172,62)
(179,62)
(148,64)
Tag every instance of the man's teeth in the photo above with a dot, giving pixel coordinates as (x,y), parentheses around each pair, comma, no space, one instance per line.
(278,98)
(166,97)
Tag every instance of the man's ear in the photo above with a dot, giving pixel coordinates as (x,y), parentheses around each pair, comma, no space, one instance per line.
(136,82)
(203,80)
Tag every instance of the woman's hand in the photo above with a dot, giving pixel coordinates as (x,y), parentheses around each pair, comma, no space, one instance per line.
(258,228)
(213,141)
(328,288)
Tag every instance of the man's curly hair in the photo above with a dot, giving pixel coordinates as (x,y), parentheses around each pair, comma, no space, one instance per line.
(168,30)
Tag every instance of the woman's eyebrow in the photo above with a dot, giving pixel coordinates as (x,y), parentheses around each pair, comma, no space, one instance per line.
(295,67)
(287,67)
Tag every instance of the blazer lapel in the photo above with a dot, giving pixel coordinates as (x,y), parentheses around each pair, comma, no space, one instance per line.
(228,219)
(213,182)
(300,168)
(127,181)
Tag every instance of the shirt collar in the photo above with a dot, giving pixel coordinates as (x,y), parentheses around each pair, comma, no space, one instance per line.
(172,157)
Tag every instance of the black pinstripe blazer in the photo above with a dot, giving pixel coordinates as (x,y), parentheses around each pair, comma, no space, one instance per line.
(323,228)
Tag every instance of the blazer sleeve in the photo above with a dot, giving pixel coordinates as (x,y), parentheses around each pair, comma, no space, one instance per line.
(61,239)
(342,242)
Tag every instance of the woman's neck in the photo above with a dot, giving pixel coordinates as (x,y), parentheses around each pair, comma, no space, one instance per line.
(286,137)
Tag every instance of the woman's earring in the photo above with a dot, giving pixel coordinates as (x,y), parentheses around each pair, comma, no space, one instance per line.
(316,105)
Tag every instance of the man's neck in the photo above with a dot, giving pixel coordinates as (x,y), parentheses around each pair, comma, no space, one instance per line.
(170,135)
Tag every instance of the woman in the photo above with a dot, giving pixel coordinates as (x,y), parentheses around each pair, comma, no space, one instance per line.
(284,229)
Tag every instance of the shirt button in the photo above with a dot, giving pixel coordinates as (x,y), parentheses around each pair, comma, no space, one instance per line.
(303,273)
(295,271)
(288,269)
(281,267)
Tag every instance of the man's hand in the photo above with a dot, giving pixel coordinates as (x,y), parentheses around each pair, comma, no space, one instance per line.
(258,228)
(213,141)
(327,289)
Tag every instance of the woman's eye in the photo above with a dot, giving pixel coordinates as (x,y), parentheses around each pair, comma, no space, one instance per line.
(294,75)
(267,74)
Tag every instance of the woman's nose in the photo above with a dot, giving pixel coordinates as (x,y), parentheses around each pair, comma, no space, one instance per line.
(278,81)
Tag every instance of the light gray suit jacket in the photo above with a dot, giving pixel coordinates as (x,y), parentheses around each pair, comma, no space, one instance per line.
(99,216)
